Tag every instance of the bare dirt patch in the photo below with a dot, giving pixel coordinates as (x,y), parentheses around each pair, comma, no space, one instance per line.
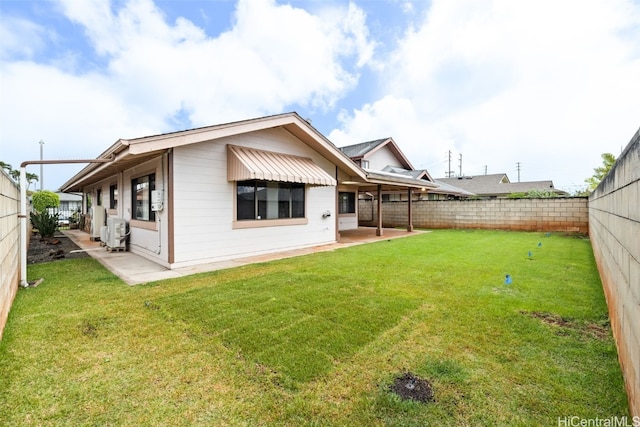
(411,387)
(596,330)
(58,248)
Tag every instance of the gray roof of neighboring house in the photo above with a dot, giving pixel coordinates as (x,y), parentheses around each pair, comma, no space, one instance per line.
(359,150)
(450,189)
(69,197)
(442,188)
(415,174)
(497,184)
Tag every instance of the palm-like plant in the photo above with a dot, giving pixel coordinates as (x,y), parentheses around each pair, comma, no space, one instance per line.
(600,172)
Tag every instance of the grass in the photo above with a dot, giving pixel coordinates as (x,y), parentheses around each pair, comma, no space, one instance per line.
(318,339)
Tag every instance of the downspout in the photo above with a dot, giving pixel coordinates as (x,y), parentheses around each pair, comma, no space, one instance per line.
(23,205)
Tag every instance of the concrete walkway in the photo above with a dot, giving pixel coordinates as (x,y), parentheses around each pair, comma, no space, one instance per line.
(134,269)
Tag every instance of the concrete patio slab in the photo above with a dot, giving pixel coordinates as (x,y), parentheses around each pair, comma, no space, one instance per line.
(134,269)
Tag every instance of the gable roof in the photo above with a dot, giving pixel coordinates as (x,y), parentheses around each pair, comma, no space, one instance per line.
(415,174)
(128,152)
(497,185)
(444,188)
(478,184)
(366,149)
(359,150)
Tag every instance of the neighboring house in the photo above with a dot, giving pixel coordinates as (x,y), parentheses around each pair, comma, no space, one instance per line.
(384,157)
(498,185)
(252,187)
(69,202)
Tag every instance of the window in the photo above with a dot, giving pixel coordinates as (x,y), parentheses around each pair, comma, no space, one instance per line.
(346,203)
(141,197)
(113,197)
(269,200)
(99,197)
(365,164)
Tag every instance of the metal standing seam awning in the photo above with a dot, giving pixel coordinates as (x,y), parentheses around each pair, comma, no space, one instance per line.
(247,163)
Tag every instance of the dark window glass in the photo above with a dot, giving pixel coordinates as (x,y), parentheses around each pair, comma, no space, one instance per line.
(269,200)
(113,197)
(297,202)
(246,202)
(347,203)
(141,189)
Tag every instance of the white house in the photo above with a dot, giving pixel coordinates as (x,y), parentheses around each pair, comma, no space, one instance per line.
(252,187)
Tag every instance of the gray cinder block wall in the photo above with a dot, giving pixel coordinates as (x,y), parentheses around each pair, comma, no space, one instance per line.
(614,227)
(9,245)
(552,214)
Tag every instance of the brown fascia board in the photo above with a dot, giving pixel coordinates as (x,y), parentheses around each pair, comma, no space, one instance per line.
(192,136)
(292,122)
(396,150)
(116,148)
(426,173)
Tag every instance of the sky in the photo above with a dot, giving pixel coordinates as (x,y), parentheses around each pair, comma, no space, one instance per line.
(536,89)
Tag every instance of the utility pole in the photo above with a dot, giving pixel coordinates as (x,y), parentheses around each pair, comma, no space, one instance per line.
(518,167)
(41,165)
(485,169)
(449,171)
(460,164)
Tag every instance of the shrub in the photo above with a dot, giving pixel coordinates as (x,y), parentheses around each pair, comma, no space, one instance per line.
(45,199)
(46,223)
(517,195)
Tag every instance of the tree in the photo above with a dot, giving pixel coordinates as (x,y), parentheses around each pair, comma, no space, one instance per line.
(15,174)
(608,160)
(45,199)
(6,166)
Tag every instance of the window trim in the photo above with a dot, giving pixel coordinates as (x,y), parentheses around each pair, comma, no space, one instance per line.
(257,223)
(112,205)
(152,187)
(355,202)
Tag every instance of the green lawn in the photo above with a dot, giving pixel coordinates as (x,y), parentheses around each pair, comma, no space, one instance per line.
(318,339)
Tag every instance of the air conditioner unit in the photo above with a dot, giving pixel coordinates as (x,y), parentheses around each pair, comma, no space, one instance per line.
(103,235)
(116,234)
(97,221)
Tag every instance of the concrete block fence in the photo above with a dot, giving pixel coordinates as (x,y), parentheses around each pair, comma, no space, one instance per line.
(9,245)
(550,214)
(614,227)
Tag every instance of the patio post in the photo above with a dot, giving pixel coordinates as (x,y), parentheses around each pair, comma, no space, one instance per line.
(379,229)
(409,210)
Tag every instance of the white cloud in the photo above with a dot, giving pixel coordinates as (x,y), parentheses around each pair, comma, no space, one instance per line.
(272,57)
(548,84)
(20,38)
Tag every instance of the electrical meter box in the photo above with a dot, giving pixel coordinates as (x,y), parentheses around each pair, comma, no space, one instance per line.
(157,197)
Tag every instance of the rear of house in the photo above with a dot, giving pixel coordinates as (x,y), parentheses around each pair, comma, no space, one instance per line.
(210,194)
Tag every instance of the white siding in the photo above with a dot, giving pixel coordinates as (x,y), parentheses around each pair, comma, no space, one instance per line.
(348,222)
(204,211)
(151,244)
(381,158)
